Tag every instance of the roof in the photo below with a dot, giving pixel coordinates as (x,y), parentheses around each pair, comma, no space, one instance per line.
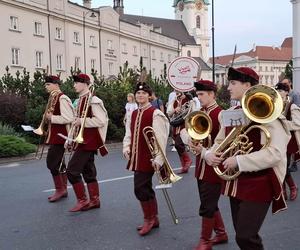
(172,28)
(263,53)
(189,1)
(287,43)
(202,64)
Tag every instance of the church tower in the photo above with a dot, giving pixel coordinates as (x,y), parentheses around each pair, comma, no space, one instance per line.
(119,7)
(194,15)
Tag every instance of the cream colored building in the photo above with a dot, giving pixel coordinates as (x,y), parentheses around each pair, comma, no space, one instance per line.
(296,44)
(59,34)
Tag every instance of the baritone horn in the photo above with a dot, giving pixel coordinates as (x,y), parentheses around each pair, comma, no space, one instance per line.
(165,174)
(199,126)
(261,104)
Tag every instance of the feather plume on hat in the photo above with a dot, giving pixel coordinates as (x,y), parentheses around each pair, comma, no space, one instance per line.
(141,83)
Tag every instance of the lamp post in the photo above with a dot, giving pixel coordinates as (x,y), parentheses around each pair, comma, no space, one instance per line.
(84,14)
(213,39)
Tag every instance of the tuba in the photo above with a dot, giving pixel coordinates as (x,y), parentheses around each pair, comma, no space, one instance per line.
(165,175)
(261,104)
(179,118)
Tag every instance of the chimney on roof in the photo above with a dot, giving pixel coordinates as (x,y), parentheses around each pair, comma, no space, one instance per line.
(87,3)
(119,7)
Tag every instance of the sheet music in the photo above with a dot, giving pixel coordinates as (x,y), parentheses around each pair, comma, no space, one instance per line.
(233,118)
(27,128)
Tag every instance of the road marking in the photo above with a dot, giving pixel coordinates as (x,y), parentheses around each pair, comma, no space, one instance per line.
(107,180)
(11,165)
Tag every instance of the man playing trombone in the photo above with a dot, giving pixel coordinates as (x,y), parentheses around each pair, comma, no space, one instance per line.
(136,151)
(209,183)
(58,117)
(259,173)
(89,134)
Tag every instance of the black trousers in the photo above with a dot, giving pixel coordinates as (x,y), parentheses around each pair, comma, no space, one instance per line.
(54,158)
(143,186)
(179,145)
(209,196)
(248,218)
(82,163)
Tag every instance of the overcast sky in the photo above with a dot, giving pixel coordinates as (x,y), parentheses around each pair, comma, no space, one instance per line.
(241,22)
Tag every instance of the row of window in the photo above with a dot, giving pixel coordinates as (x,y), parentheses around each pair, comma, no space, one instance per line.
(76,39)
(14,26)
(15,60)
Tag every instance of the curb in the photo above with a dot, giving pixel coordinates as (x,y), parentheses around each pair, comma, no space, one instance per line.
(110,146)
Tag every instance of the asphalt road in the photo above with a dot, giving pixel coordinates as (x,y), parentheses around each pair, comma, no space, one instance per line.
(29,221)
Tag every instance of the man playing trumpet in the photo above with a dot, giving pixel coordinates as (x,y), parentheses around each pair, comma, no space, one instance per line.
(92,120)
(136,151)
(262,171)
(58,117)
(209,184)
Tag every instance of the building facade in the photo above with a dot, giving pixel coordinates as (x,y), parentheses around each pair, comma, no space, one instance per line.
(268,61)
(58,34)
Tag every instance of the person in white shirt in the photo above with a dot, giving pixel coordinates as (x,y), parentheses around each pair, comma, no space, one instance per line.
(130,106)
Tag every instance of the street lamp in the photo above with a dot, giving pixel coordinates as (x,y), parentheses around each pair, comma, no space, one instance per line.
(84,14)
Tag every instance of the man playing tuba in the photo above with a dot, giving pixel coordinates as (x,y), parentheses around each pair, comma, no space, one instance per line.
(91,125)
(262,170)
(58,118)
(209,184)
(136,151)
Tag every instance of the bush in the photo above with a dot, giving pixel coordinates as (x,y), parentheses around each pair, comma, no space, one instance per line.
(6,129)
(14,146)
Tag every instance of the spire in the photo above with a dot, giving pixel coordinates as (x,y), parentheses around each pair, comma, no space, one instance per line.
(119,7)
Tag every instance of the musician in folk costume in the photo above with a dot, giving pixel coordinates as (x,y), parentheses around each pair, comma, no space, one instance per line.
(209,183)
(262,171)
(59,116)
(94,133)
(292,113)
(135,150)
(183,103)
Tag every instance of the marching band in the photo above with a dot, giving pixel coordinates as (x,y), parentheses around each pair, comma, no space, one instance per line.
(245,160)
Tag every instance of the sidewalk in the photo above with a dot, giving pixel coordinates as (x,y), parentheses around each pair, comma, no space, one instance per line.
(110,146)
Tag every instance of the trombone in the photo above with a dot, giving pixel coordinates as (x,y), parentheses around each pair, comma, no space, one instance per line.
(75,137)
(165,174)
(44,126)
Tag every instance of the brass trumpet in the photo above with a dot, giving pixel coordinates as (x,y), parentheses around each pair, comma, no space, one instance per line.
(165,175)
(261,104)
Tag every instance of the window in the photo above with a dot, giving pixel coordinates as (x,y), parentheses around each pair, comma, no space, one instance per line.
(153,71)
(93,63)
(59,62)
(110,68)
(153,54)
(37,28)
(109,44)
(124,48)
(14,23)
(77,62)
(58,33)
(161,56)
(76,37)
(92,41)
(267,68)
(38,59)
(134,50)
(188,53)
(198,22)
(145,52)
(15,56)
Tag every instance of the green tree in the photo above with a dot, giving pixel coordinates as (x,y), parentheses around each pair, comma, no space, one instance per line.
(289,70)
